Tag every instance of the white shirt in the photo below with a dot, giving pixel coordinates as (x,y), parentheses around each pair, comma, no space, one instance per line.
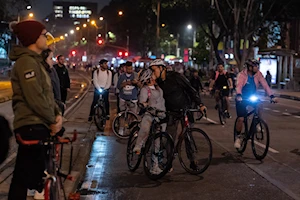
(102,79)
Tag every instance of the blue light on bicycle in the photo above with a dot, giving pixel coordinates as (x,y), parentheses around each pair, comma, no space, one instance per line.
(100,90)
(253,98)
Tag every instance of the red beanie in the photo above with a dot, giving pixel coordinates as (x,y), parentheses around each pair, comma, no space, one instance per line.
(28,31)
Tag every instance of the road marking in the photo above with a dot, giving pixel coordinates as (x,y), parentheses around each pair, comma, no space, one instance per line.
(277,111)
(287,114)
(210,120)
(267,109)
(10,158)
(298,117)
(264,146)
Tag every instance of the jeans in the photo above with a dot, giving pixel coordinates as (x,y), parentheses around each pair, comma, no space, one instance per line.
(30,163)
(105,95)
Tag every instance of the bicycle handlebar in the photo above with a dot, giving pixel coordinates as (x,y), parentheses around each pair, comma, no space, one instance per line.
(59,140)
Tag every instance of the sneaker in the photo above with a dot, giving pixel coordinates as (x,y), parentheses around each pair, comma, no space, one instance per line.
(107,117)
(90,118)
(237,143)
(38,195)
(227,114)
(155,170)
(193,166)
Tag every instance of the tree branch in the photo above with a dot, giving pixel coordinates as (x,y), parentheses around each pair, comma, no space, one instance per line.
(220,14)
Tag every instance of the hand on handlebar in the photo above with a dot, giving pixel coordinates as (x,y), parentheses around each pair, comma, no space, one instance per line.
(55,128)
(239,98)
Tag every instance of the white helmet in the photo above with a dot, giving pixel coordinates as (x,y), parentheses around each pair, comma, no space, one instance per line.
(157,62)
(145,76)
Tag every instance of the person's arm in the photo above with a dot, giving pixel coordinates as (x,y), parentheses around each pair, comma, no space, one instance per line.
(120,82)
(108,82)
(115,80)
(194,95)
(68,83)
(29,76)
(96,79)
(239,83)
(143,95)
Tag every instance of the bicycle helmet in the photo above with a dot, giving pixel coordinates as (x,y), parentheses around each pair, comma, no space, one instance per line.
(145,76)
(252,63)
(158,62)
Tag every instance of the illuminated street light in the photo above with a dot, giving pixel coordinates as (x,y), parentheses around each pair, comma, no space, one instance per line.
(83,39)
(189,26)
(71,31)
(31,15)
(163,25)
(84,25)
(101,18)
(93,22)
(77,28)
(99,35)
(66,35)
(28,7)
(120,13)
(61,37)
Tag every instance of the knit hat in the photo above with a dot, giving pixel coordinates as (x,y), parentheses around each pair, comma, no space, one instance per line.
(27,31)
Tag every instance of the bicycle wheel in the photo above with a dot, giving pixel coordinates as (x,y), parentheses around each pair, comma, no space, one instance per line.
(242,136)
(194,145)
(121,123)
(100,118)
(158,155)
(51,190)
(260,140)
(133,160)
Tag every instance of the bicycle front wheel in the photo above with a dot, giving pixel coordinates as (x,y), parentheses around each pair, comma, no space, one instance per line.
(133,160)
(51,190)
(260,140)
(194,151)
(121,123)
(100,117)
(158,155)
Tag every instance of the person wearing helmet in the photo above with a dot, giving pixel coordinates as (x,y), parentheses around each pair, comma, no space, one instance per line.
(248,80)
(150,95)
(178,94)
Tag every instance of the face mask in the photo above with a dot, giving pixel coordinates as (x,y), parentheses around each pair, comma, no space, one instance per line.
(128,75)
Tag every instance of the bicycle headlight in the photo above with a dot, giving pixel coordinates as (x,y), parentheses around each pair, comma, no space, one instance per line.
(100,90)
(253,98)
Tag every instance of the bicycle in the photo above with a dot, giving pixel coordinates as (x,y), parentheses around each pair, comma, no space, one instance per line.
(158,147)
(100,112)
(125,117)
(53,188)
(258,131)
(222,107)
(194,142)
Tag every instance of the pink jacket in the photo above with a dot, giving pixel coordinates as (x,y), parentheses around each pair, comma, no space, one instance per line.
(242,79)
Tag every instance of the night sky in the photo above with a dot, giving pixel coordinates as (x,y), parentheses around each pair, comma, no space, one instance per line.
(42,8)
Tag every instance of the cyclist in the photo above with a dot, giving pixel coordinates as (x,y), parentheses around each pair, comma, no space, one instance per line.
(120,71)
(127,84)
(248,81)
(150,95)
(221,83)
(178,94)
(102,79)
(36,113)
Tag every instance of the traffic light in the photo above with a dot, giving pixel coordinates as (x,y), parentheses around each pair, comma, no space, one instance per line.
(73,52)
(126,54)
(120,53)
(123,54)
(100,41)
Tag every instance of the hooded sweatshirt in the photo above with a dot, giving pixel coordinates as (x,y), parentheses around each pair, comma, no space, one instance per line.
(33,99)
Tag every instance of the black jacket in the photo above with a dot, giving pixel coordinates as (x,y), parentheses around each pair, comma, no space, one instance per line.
(178,92)
(196,83)
(63,76)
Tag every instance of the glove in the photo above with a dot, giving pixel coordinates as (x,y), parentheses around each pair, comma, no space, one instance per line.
(238,97)
(273,99)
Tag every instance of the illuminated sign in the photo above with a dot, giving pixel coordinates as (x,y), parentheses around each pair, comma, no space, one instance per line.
(79,12)
(58,10)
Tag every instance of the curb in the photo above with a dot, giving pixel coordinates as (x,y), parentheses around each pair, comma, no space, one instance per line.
(4,99)
(283,96)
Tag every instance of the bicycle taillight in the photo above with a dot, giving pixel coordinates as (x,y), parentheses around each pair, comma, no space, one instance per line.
(186,121)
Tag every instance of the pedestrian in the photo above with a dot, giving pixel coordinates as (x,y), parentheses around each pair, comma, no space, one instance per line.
(115,81)
(196,81)
(102,82)
(63,76)
(269,78)
(36,113)
(127,84)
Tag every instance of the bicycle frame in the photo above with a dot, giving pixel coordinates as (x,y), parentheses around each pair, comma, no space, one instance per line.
(249,131)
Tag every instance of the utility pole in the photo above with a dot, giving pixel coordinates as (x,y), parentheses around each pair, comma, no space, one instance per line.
(157,27)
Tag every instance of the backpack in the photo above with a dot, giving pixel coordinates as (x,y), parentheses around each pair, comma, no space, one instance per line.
(5,134)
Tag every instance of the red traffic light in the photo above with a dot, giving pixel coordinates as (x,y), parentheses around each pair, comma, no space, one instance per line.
(126,54)
(120,53)
(100,41)
(73,53)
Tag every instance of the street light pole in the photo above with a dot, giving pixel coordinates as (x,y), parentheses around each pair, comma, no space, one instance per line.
(157,27)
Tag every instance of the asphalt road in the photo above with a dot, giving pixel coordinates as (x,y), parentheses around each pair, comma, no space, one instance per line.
(230,175)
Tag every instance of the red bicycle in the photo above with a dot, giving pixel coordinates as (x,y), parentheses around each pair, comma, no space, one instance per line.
(53,188)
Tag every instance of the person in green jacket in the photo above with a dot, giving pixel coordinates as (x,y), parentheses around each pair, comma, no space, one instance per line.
(36,113)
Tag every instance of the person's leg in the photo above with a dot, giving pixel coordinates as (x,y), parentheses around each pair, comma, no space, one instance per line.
(63,93)
(143,132)
(118,103)
(106,96)
(241,111)
(122,104)
(95,99)
(217,98)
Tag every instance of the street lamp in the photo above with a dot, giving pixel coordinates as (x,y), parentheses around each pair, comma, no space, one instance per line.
(30,15)
(61,37)
(71,31)
(66,34)
(84,25)
(163,25)
(93,22)
(120,13)
(77,28)
(101,18)
(189,26)
(28,7)
(83,39)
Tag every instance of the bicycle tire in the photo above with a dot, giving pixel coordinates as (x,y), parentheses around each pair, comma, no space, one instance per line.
(132,166)
(189,138)
(100,118)
(264,135)
(166,143)
(116,124)
(244,141)
(51,190)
